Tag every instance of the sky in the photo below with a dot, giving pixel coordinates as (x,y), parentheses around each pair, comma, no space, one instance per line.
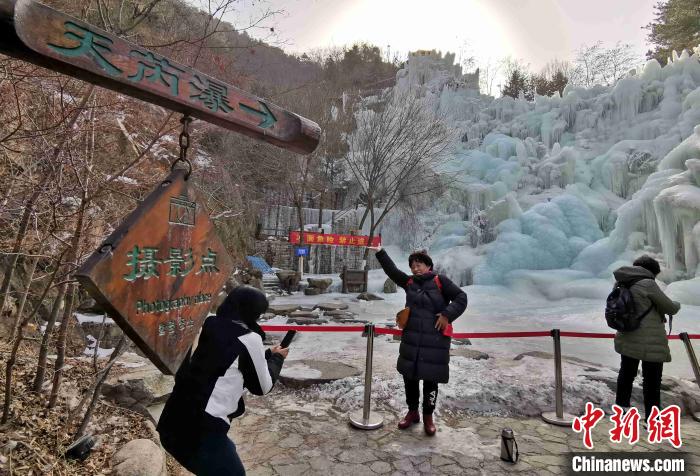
(534,31)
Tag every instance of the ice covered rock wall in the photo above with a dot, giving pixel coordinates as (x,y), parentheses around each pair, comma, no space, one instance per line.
(628,155)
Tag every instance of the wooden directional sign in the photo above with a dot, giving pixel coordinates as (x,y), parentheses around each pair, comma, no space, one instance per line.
(159,273)
(49,38)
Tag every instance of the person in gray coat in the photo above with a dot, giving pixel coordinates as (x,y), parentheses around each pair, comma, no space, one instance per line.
(424,353)
(648,343)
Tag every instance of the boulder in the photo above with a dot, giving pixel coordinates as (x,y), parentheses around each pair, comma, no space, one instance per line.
(332,306)
(282,309)
(289,280)
(251,277)
(91,306)
(461,341)
(369,297)
(304,373)
(110,336)
(339,314)
(139,388)
(350,320)
(256,283)
(389,286)
(303,314)
(320,283)
(255,272)
(302,321)
(469,354)
(139,458)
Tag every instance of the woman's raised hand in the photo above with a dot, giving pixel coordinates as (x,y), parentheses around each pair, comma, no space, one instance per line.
(375,248)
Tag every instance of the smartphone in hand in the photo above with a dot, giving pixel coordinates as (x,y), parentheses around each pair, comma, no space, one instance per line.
(287,339)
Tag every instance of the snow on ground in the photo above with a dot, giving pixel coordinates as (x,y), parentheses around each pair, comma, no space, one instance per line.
(90,349)
(498,385)
(94,318)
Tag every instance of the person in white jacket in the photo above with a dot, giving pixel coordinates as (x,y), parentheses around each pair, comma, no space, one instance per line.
(209,385)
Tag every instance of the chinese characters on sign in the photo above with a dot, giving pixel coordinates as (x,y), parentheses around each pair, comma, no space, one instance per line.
(89,44)
(144,263)
(662,425)
(143,65)
(312,238)
(169,327)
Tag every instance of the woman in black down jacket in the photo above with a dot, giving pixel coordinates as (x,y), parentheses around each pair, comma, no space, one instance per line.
(424,353)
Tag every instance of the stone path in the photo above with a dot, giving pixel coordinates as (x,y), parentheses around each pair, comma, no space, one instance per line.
(276,439)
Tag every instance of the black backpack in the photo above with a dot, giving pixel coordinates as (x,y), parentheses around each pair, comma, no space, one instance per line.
(620,310)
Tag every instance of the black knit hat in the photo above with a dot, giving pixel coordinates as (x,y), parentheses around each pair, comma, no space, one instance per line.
(245,304)
(422,257)
(648,263)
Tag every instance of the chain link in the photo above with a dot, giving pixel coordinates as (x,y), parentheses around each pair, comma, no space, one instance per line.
(184,141)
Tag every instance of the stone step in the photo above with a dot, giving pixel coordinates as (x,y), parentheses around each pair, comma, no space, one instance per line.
(271,283)
(304,373)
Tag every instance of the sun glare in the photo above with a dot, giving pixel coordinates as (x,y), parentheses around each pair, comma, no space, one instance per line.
(463,27)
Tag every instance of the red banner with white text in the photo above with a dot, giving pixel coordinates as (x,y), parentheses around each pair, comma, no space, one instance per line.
(313,238)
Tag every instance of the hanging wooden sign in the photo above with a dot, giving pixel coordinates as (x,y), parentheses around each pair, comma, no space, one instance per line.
(160,271)
(49,38)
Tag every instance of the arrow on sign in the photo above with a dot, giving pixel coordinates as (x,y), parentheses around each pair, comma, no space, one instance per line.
(268,119)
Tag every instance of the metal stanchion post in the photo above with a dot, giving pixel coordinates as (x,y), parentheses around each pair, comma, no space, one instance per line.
(694,364)
(363,419)
(558,417)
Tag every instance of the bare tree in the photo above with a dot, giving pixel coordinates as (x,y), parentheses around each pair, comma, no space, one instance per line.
(489,70)
(395,153)
(596,64)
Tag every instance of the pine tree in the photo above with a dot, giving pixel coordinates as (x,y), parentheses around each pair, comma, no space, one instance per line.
(676,27)
(516,84)
(558,83)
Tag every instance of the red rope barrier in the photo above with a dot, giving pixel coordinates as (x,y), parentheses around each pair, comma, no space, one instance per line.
(491,335)
(690,336)
(456,335)
(594,335)
(275,328)
(387,330)
(473,335)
